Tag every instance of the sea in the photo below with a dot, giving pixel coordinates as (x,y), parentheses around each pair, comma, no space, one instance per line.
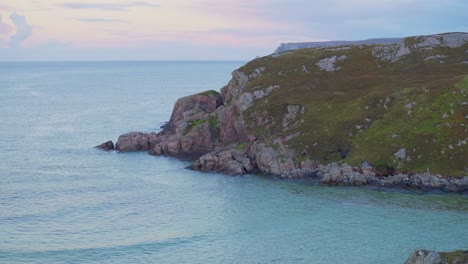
(64,201)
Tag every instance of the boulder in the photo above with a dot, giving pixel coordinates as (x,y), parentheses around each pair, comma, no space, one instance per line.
(401,153)
(136,141)
(109,145)
(229,162)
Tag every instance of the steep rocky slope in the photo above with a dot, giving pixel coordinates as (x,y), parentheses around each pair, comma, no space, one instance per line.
(389,115)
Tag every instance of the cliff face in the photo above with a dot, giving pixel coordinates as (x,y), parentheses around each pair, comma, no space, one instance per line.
(386,115)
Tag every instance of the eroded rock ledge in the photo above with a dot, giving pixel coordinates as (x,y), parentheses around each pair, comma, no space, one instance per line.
(217,130)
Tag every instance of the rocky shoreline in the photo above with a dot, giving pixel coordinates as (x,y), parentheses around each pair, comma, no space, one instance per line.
(433,257)
(234,162)
(217,130)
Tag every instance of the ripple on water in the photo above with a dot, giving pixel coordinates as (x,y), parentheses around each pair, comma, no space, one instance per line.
(61,201)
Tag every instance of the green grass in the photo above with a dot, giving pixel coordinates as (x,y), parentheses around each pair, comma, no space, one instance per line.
(336,103)
(213,121)
(241,146)
(209,92)
(458,256)
(192,124)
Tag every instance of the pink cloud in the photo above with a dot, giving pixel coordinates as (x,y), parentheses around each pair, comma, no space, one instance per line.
(5,29)
(4,7)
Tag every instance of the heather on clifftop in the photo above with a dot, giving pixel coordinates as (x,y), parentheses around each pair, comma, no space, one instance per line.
(392,115)
(367,108)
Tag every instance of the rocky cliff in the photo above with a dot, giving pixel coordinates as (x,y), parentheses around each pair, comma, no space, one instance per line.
(391,115)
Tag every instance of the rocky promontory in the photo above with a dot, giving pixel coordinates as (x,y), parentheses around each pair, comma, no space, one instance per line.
(387,115)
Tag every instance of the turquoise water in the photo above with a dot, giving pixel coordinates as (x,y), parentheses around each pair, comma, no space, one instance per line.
(62,201)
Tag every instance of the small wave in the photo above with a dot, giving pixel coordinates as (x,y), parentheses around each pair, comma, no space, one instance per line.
(96,253)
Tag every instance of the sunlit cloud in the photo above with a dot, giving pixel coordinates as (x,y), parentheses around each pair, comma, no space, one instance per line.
(207,29)
(5,32)
(4,7)
(5,29)
(101,20)
(108,6)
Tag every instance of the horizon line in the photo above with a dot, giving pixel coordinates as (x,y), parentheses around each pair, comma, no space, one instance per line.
(136,60)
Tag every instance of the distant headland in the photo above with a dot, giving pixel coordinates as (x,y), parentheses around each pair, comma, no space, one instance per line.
(380,112)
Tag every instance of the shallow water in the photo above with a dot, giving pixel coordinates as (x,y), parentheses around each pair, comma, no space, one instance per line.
(62,201)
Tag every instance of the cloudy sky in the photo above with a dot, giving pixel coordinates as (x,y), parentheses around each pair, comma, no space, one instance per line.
(206,29)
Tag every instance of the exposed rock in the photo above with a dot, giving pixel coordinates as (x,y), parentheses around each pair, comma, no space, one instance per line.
(432,257)
(292,113)
(404,47)
(219,131)
(245,101)
(435,57)
(334,174)
(401,154)
(424,257)
(367,169)
(136,141)
(197,125)
(260,93)
(199,140)
(256,73)
(328,64)
(229,162)
(109,145)
(191,108)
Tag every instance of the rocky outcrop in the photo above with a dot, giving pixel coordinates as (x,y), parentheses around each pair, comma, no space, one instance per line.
(192,108)
(199,123)
(136,141)
(432,257)
(229,162)
(106,146)
(328,64)
(405,46)
(191,132)
(344,174)
(236,131)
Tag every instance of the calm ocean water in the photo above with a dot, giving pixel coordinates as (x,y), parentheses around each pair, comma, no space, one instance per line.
(62,201)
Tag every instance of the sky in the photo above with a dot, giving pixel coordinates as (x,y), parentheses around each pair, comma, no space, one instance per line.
(50,30)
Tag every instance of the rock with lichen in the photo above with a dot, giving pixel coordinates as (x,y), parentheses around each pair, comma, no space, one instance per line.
(387,115)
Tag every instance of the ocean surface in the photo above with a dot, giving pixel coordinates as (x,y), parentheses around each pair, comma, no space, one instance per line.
(63,201)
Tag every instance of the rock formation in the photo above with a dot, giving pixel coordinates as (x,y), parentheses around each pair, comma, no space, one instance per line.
(432,257)
(381,115)
(109,145)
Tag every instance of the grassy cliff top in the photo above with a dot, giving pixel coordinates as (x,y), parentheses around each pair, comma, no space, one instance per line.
(403,115)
